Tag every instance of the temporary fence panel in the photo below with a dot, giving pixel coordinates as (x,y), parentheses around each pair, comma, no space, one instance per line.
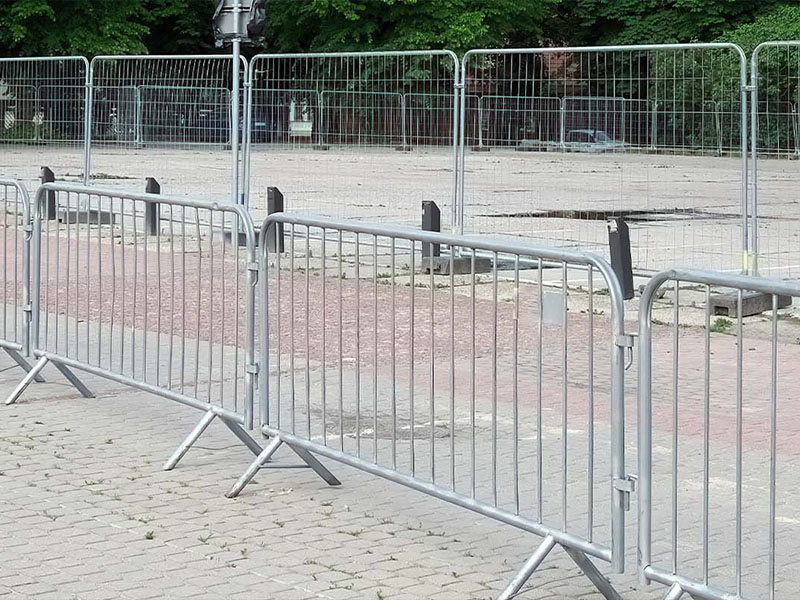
(42,121)
(149,291)
(496,386)
(775,149)
(718,424)
(15,230)
(167,117)
(375,132)
(640,135)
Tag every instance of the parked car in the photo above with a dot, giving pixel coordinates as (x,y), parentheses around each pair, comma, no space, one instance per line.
(595,141)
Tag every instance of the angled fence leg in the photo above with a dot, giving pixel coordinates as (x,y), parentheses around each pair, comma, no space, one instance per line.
(73,379)
(528,569)
(590,570)
(190,440)
(254,467)
(30,376)
(675,592)
(20,360)
(240,433)
(315,465)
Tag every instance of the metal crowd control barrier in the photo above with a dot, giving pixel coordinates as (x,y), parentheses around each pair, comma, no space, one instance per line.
(490,386)
(169,311)
(366,121)
(15,277)
(775,141)
(604,121)
(717,439)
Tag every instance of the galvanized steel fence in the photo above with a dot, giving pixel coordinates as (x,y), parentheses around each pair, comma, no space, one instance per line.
(717,438)
(149,291)
(775,146)
(15,279)
(365,124)
(42,104)
(472,371)
(600,128)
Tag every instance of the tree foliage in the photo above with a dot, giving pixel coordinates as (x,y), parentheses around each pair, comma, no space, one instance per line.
(299,25)
(90,27)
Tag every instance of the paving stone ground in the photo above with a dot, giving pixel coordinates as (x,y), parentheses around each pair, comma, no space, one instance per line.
(87,513)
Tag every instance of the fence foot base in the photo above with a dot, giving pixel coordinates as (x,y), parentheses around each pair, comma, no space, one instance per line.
(254,467)
(200,428)
(675,592)
(29,378)
(530,566)
(264,457)
(20,360)
(602,584)
(73,379)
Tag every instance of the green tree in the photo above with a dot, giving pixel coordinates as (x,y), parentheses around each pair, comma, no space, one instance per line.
(652,21)
(330,25)
(63,27)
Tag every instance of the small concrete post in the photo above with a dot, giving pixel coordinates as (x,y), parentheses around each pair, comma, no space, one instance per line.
(152,210)
(275,234)
(619,242)
(431,221)
(47,176)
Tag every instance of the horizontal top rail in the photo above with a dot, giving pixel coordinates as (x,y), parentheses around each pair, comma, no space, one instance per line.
(83,59)
(239,210)
(743,282)
(632,48)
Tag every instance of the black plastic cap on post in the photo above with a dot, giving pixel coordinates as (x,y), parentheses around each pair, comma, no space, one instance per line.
(152,211)
(619,242)
(275,204)
(47,176)
(431,221)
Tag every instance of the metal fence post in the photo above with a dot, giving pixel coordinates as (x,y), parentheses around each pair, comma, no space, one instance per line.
(275,204)
(431,221)
(152,210)
(47,176)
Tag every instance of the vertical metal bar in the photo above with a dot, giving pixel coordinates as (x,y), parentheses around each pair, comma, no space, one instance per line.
(773,447)
(394,355)
(293,395)
(590,419)
(375,347)
(675,390)
(341,354)
(739,432)
(452,372)
(515,384)
(564,402)
(706,434)
(432,371)
(494,378)
(307,376)
(472,373)
(539,428)
(411,328)
(357,279)
(324,311)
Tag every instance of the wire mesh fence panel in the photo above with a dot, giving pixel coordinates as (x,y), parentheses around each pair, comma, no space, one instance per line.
(718,430)
(776,138)
(589,133)
(42,102)
(356,135)
(166,117)
(478,373)
(151,291)
(15,231)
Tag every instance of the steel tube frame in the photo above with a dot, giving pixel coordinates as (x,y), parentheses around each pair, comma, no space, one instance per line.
(747,250)
(457,122)
(233,419)
(647,572)
(578,545)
